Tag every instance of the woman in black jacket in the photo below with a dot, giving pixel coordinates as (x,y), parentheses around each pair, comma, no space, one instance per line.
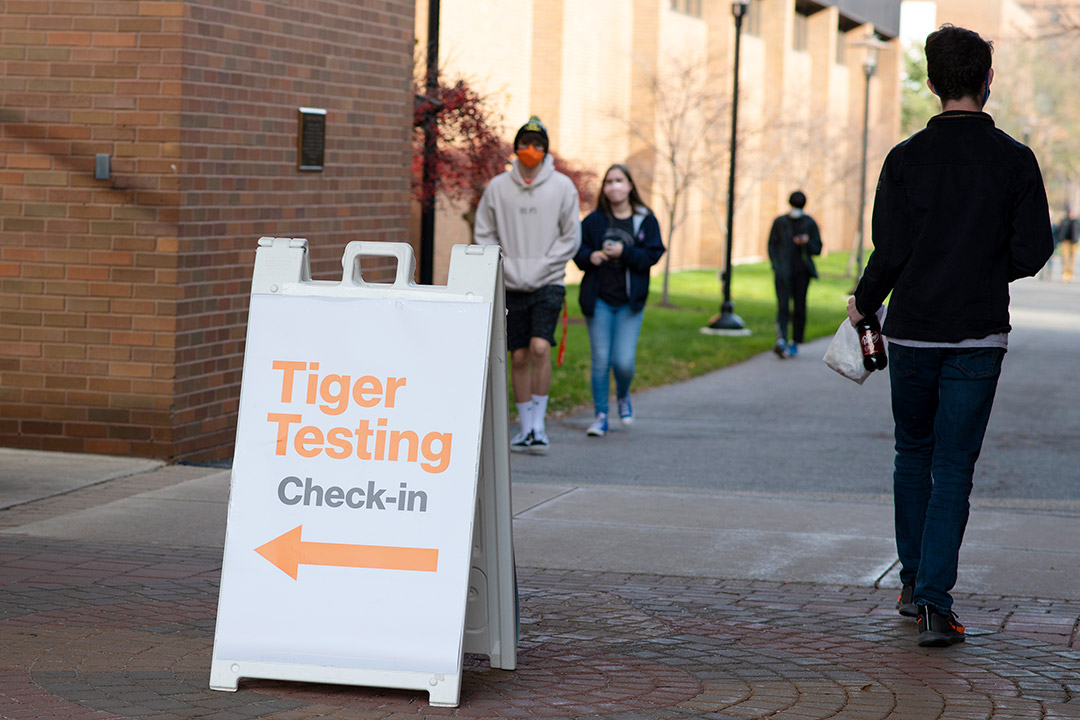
(620,241)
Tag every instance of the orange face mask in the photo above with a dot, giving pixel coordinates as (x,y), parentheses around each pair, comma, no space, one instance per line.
(529,156)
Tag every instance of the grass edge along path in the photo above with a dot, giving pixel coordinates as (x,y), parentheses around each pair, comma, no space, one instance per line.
(672,348)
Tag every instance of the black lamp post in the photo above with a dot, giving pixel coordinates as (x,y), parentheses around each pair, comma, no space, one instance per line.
(727,322)
(869,66)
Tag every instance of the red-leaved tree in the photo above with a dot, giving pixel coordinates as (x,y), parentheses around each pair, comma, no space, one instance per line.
(584,180)
(469,152)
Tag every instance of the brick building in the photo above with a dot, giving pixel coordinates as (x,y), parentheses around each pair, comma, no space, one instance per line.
(123,301)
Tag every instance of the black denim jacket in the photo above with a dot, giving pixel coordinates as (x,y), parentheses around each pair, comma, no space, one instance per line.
(960,212)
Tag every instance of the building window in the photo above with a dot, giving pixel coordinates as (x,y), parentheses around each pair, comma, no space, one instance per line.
(752,21)
(800,38)
(687,7)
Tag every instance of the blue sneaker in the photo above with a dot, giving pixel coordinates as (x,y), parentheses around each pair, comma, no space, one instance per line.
(792,349)
(599,426)
(626,411)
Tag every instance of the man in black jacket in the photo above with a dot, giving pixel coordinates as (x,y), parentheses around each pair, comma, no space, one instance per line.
(960,212)
(793,241)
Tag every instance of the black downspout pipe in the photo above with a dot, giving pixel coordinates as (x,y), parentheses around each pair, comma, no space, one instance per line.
(427,212)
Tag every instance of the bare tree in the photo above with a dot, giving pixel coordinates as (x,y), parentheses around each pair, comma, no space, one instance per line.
(688,113)
(689,140)
(799,150)
(1040,106)
(759,146)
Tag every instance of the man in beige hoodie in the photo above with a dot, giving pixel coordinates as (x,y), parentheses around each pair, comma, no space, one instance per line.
(532,212)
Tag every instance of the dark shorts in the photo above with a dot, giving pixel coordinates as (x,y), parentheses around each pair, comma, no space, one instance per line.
(532,314)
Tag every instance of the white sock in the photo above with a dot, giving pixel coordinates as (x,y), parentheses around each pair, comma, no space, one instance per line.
(539,411)
(525,415)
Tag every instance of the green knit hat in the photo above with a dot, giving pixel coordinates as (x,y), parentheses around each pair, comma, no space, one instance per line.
(533,126)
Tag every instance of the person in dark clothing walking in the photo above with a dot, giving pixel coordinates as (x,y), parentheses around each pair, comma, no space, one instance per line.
(1068,234)
(793,241)
(960,212)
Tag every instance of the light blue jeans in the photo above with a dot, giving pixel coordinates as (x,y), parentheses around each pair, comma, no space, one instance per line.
(613,336)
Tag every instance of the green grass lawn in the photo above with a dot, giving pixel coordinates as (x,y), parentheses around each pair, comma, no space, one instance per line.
(671,348)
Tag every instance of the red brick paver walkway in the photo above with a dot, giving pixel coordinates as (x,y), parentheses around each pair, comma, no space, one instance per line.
(115,631)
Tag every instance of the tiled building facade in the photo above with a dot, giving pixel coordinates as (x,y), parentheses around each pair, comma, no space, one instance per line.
(123,301)
(584,68)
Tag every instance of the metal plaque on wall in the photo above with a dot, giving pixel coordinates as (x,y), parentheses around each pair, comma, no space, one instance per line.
(312,141)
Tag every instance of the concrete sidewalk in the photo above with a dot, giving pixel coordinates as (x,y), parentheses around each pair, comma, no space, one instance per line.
(781,470)
(730,557)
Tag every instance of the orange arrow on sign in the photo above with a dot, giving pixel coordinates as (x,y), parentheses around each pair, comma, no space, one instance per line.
(288,552)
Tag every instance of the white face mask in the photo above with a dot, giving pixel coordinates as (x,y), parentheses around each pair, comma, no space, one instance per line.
(796,213)
(617,187)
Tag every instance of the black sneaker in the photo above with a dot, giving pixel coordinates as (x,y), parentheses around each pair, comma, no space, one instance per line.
(936,629)
(780,348)
(905,604)
(522,441)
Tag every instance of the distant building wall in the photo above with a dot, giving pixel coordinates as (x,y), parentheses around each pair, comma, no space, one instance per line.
(802,89)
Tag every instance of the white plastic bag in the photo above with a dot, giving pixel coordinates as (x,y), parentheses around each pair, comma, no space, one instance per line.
(844,354)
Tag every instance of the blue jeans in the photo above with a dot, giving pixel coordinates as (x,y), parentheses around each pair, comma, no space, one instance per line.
(613,336)
(941,401)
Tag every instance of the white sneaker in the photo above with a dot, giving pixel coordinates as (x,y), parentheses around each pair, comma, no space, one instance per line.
(539,445)
(599,426)
(522,441)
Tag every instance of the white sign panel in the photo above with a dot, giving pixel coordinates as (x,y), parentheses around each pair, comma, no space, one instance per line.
(354,483)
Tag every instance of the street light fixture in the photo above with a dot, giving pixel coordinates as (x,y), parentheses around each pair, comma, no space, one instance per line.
(727,322)
(872,45)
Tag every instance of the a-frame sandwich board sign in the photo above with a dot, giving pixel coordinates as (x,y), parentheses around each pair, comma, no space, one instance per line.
(368,538)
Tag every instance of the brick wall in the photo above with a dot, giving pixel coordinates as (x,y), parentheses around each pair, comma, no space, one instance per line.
(247,68)
(123,301)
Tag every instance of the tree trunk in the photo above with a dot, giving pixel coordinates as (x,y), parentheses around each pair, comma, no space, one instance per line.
(667,260)
(851,270)
(469,216)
